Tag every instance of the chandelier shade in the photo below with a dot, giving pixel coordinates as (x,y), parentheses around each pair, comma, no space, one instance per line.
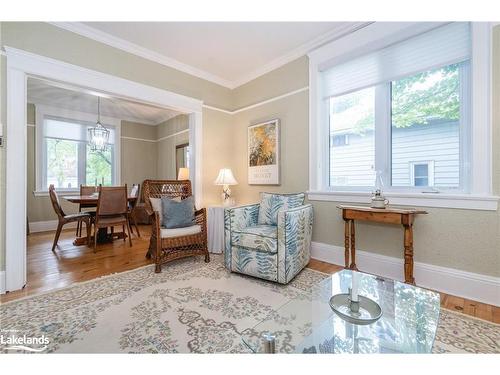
(98,135)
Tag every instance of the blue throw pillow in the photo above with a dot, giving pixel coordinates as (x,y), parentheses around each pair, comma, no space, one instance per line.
(177,214)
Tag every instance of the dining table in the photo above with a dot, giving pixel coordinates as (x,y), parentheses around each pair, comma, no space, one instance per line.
(102,234)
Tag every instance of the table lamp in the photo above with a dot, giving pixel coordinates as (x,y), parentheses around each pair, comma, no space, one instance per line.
(226,178)
(183,174)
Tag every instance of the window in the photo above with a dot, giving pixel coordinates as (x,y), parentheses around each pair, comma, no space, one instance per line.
(65,158)
(340,140)
(397,106)
(423,112)
(353,116)
(402,96)
(421,173)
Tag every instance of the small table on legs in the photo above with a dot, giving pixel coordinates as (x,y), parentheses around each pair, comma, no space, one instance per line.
(401,216)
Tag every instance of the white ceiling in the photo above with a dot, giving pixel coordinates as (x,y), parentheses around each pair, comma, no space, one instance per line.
(228,53)
(52,94)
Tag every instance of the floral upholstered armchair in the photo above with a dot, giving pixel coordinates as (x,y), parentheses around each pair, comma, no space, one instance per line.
(270,240)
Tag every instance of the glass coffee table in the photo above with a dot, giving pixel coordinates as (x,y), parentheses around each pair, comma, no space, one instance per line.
(307,324)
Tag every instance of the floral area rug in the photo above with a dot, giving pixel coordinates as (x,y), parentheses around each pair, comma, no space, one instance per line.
(190,307)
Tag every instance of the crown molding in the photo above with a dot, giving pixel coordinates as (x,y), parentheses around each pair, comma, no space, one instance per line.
(124,45)
(334,34)
(258,104)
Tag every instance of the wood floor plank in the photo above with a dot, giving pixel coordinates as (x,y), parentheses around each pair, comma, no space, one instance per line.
(70,264)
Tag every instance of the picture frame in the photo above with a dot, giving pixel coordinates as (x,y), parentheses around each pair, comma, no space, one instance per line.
(263,158)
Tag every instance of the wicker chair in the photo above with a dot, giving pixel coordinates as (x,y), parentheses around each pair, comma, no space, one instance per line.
(165,248)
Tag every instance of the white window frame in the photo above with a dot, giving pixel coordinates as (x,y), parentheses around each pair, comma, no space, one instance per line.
(430,171)
(41,111)
(378,35)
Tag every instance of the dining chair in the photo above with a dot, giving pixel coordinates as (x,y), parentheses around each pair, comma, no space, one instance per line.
(65,219)
(85,190)
(134,192)
(112,210)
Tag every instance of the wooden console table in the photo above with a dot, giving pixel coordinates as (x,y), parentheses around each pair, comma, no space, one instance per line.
(388,215)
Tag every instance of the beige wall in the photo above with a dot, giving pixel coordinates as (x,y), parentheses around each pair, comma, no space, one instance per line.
(218,152)
(139,157)
(290,77)
(168,139)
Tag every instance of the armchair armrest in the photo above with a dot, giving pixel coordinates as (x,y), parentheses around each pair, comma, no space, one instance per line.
(242,216)
(294,241)
(235,219)
(200,218)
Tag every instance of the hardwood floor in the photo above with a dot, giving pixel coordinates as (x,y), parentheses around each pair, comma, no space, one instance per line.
(70,264)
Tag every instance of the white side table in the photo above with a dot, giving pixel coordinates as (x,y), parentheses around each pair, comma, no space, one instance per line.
(215,229)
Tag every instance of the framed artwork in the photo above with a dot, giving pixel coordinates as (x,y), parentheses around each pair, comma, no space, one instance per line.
(264,153)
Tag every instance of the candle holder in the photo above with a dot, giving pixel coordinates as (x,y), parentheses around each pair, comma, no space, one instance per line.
(269,343)
(353,305)
(362,312)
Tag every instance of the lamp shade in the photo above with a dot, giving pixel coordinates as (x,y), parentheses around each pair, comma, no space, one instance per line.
(183,174)
(225,177)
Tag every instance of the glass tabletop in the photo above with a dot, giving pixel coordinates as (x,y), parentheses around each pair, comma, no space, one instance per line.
(307,324)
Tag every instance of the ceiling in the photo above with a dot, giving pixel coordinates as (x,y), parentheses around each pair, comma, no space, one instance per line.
(228,53)
(52,94)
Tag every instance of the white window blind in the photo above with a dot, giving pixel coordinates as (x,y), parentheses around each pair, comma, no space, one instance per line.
(442,46)
(70,130)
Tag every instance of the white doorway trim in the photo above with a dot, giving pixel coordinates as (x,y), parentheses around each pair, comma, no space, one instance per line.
(21,65)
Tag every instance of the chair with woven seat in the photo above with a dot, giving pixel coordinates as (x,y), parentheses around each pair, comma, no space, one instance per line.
(270,240)
(169,244)
(64,219)
(112,210)
(83,207)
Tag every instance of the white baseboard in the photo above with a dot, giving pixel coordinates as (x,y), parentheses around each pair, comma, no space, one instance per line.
(473,286)
(45,226)
(2,282)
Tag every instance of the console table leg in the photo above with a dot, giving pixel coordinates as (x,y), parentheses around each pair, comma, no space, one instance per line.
(353,248)
(346,244)
(408,243)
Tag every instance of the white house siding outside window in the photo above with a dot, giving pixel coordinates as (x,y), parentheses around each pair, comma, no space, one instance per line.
(408,113)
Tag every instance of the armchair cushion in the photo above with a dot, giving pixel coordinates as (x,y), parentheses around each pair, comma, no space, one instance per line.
(258,237)
(156,206)
(270,204)
(179,232)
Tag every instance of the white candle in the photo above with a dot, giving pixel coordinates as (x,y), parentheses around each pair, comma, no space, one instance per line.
(355,287)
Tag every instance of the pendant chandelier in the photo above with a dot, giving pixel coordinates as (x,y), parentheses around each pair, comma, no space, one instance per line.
(98,135)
